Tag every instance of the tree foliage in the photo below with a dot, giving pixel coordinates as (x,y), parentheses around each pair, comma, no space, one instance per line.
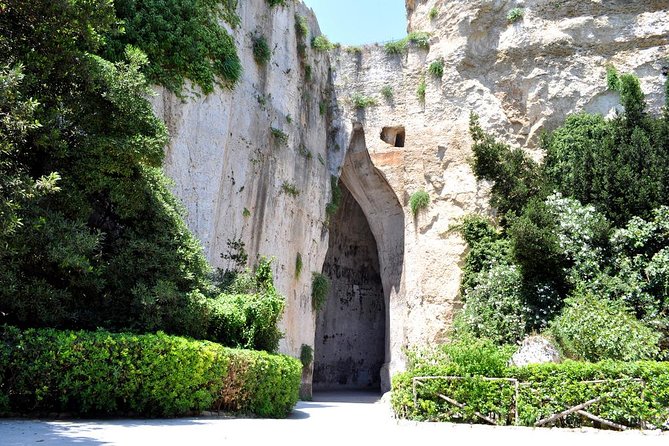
(556,221)
(91,235)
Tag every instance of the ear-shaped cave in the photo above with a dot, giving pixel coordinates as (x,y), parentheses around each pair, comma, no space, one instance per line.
(365,260)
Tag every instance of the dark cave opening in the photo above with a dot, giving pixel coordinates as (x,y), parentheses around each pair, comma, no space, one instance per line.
(350,342)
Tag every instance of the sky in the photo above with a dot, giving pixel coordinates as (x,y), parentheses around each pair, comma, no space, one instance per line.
(356,22)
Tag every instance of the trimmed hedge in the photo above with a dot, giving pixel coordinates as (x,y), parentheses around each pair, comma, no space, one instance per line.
(544,390)
(102,373)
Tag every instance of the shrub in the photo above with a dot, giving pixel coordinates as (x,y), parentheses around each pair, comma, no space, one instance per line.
(102,373)
(494,309)
(516,177)
(546,389)
(321,43)
(260,383)
(419,200)
(396,47)
(273,3)
(420,91)
(186,43)
(320,287)
(279,135)
(596,328)
(433,13)
(436,68)
(515,15)
(419,38)
(246,314)
(335,202)
(290,189)
(261,51)
(600,162)
(301,27)
(361,101)
(387,92)
(306,355)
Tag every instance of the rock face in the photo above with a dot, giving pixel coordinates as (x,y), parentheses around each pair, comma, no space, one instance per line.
(535,350)
(241,180)
(521,78)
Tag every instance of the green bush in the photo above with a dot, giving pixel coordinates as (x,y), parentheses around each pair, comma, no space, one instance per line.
(516,177)
(273,3)
(289,188)
(247,313)
(494,309)
(421,90)
(594,328)
(182,39)
(515,15)
(619,165)
(419,38)
(306,355)
(321,43)
(320,287)
(387,92)
(298,265)
(396,47)
(433,13)
(419,200)
(360,101)
(436,68)
(545,390)
(102,373)
(261,51)
(301,27)
(261,384)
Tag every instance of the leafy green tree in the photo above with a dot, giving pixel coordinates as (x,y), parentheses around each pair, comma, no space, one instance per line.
(515,176)
(620,165)
(107,247)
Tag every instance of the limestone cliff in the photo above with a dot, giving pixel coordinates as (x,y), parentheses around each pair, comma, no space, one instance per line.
(522,78)
(250,163)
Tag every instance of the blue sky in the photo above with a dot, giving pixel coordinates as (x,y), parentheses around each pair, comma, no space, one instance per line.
(355,22)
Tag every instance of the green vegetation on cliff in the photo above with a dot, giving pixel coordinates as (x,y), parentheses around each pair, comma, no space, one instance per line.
(581,243)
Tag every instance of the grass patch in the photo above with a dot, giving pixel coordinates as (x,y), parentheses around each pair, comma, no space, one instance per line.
(279,135)
(420,91)
(421,39)
(515,15)
(321,43)
(360,101)
(290,189)
(419,200)
(436,68)
(246,213)
(387,92)
(261,51)
(320,287)
(335,202)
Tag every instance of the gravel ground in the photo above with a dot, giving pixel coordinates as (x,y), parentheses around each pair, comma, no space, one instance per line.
(331,419)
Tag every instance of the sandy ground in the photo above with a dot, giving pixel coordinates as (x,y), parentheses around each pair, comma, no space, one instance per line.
(331,419)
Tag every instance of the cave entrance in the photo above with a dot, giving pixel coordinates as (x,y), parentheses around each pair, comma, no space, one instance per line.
(350,338)
(359,333)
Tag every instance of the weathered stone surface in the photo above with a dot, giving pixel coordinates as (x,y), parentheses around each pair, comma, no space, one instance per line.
(521,78)
(535,350)
(223,159)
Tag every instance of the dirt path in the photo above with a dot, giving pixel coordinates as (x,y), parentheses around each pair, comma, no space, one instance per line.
(343,420)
